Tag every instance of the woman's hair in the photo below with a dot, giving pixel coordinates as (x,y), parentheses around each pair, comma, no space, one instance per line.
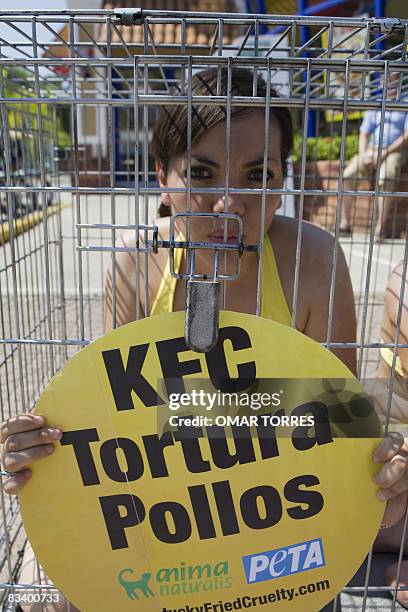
(170,131)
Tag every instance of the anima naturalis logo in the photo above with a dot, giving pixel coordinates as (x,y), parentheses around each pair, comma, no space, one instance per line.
(182,579)
(133,586)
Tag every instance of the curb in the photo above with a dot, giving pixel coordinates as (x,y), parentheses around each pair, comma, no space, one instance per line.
(27,222)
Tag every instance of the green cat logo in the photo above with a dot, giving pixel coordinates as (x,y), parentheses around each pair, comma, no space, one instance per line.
(131,586)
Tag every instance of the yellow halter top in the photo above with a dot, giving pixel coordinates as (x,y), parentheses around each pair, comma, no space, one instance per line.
(273,300)
(387,355)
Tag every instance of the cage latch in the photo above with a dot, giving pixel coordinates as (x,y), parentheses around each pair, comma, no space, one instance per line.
(129,16)
(387,25)
(203,290)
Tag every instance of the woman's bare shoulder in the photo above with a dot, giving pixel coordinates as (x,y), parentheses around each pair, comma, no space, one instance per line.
(128,236)
(126,273)
(397,285)
(316,243)
(128,240)
(397,275)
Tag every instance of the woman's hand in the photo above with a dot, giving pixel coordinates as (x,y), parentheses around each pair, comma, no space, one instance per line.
(392,477)
(25,439)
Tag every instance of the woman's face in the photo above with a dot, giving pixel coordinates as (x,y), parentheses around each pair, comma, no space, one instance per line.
(245,172)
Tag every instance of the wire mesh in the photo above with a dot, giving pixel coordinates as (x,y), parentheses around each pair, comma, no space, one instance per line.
(79,95)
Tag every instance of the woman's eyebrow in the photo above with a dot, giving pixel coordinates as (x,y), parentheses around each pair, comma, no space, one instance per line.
(210,162)
(205,160)
(259,161)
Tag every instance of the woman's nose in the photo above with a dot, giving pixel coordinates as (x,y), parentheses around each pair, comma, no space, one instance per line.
(235,204)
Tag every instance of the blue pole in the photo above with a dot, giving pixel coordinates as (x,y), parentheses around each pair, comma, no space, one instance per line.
(324,6)
(261,8)
(379,8)
(304,37)
(304,32)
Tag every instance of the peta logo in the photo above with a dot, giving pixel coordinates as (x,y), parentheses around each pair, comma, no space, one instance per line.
(284,561)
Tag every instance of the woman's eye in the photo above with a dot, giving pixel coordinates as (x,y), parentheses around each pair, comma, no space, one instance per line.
(199,172)
(257,175)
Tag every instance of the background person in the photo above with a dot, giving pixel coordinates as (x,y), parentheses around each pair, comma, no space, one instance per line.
(391,158)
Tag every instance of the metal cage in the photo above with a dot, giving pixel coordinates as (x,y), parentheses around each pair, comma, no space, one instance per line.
(79,93)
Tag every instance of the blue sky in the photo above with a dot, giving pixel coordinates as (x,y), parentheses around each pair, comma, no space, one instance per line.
(38,5)
(19,5)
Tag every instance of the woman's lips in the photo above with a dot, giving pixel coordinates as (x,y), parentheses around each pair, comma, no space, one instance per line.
(231,238)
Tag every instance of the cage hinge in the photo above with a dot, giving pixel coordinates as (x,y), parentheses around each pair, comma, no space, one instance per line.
(387,25)
(129,16)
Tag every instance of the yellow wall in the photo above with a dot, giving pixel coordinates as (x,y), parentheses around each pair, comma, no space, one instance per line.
(397,8)
(281,7)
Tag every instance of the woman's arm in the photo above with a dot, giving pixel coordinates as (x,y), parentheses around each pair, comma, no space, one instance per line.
(320,270)
(392,477)
(392,298)
(120,283)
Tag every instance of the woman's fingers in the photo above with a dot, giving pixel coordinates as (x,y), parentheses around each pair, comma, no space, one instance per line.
(389,447)
(14,462)
(28,439)
(395,510)
(393,476)
(25,439)
(15,483)
(20,423)
(392,471)
(399,489)
(389,492)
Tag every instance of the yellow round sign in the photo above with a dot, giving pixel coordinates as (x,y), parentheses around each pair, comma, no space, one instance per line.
(204,482)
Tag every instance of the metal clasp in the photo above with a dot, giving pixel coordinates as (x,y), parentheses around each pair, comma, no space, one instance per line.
(387,25)
(129,16)
(203,291)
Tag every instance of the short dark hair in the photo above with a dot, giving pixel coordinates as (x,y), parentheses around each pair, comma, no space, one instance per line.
(170,131)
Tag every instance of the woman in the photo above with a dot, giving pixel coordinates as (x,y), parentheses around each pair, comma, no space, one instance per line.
(396,285)
(245,172)
(396,415)
(26,438)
